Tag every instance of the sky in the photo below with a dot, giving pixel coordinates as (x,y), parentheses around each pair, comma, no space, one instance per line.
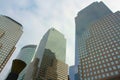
(37,16)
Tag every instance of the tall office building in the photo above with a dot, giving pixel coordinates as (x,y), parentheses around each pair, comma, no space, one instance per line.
(52,68)
(10,32)
(51,54)
(72,72)
(84,18)
(26,54)
(54,41)
(98,43)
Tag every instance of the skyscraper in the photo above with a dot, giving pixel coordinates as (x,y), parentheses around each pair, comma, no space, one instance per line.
(98,43)
(51,53)
(26,54)
(84,18)
(10,32)
(50,41)
(72,72)
(52,68)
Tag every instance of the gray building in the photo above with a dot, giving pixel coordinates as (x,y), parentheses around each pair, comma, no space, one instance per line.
(10,32)
(97,43)
(26,54)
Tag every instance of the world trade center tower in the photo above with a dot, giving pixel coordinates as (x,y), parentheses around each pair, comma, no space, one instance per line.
(97,40)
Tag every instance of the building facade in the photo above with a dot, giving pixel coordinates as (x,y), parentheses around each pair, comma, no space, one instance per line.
(32,70)
(51,53)
(98,43)
(72,72)
(26,54)
(52,68)
(10,32)
(83,19)
(50,41)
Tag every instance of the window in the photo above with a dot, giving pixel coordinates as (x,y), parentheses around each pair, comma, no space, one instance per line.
(104,65)
(102,70)
(110,59)
(106,69)
(96,67)
(116,72)
(100,66)
(112,63)
(108,64)
(99,62)
(116,62)
(118,47)
(108,55)
(95,72)
(112,53)
(118,66)
(108,74)
(106,60)
(98,71)
(103,60)
(95,77)
(92,78)
(114,57)
(110,68)
(119,56)
(103,75)
(116,52)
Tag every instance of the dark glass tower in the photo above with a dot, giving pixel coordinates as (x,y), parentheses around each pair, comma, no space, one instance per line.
(84,20)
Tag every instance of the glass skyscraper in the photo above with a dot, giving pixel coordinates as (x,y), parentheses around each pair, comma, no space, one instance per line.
(54,41)
(10,32)
(53,65)
(50,58)
(72,72)
(98,43)
(26,54)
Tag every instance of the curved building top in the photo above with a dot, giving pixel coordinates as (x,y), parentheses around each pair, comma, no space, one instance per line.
(13,20)
(32,46)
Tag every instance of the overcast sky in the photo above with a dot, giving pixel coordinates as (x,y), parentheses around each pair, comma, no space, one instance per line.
(37,16)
